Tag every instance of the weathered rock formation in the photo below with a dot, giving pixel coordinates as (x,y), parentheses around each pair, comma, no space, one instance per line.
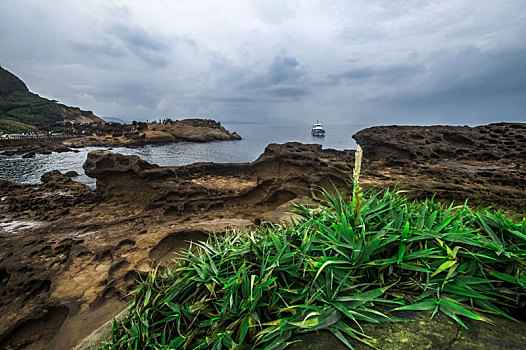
(399,145)
(69,255)
(123,135)
(281,174)
(34,145)
(486,164)
(191,130)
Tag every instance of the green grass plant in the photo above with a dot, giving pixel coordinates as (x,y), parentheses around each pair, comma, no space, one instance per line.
(258,288)
(345,263)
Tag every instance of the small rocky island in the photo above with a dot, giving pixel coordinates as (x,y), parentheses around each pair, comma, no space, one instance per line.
(70,256)
(102,134)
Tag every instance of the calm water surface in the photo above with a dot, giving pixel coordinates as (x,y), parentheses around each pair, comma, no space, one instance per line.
(255,138)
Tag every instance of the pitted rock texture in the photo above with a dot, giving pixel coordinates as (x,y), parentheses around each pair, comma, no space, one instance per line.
(104,162)
(86,249)
(49,201)
(484,164)
(282,173)
(423,332)
(396,145)
(69,256)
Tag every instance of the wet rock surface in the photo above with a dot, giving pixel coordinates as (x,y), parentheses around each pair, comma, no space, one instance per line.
(69,256)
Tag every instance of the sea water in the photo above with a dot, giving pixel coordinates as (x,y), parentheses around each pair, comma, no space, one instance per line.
(255,138)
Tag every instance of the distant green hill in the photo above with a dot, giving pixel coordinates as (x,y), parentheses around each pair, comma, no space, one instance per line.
(22,110)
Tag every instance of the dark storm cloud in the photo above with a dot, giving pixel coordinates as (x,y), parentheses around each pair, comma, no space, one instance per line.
(129,91)
(103,48)
(254,93)
(396,74)
(136,38)
(122,36)
(284,78)
(138,42)
(491,73)
(120,40)
(396,61)
(285,70)
(101,54)
(467,75)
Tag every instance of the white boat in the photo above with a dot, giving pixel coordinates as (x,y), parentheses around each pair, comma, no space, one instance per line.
(317,129)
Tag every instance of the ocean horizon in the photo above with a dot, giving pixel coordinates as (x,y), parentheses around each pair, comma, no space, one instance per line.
(255,138)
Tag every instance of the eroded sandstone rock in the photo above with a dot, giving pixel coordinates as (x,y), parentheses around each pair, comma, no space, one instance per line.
(73,271)
(485,164)
(397,145)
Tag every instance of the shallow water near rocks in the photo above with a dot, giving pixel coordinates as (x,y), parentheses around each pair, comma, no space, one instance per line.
(255,138)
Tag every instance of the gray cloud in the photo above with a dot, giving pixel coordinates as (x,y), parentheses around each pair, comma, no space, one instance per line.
(395,74)
(138,42)
(284,78)
(467,75)
(289,91)
(377,61)
(285,70)
(282,71)
(117,41)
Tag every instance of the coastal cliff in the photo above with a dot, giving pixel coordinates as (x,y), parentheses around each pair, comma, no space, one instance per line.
(22,110)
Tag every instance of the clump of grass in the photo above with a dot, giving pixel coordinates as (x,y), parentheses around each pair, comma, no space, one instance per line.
(259,288)
(330,270)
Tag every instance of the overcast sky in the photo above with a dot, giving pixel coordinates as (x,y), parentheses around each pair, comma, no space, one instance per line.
(348,61)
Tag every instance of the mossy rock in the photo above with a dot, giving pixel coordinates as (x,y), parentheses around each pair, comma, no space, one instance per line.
(422,332)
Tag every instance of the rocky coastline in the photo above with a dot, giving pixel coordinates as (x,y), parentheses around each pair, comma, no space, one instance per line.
(121,135)
(69,256)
